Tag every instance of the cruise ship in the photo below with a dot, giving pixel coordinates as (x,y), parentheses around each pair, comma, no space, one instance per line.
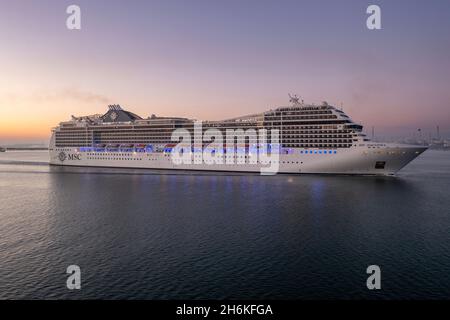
(311,138)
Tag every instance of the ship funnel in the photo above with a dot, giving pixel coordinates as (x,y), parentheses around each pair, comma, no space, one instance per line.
(115,107)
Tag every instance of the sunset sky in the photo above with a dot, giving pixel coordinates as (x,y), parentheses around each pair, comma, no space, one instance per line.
(218,59)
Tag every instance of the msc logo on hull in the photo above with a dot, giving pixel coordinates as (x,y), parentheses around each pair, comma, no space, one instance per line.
(62,156)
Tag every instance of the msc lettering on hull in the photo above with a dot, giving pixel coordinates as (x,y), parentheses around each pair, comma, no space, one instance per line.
(63,157)
(74,157)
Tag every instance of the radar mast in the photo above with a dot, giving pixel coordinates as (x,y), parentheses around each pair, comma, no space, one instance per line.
(294,99)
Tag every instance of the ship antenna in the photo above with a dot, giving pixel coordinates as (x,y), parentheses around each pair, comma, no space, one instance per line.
(294,99)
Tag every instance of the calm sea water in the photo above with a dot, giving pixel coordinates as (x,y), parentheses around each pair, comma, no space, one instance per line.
(141,234)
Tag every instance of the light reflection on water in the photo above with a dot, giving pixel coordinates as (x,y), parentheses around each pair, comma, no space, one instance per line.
(168,234)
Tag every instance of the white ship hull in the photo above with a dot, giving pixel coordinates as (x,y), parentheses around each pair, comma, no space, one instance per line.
(385,160)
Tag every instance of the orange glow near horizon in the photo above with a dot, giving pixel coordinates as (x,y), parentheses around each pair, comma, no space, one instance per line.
(32,116)
(230,62)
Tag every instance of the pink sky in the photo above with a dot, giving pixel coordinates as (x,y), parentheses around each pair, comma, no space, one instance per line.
(213,61)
